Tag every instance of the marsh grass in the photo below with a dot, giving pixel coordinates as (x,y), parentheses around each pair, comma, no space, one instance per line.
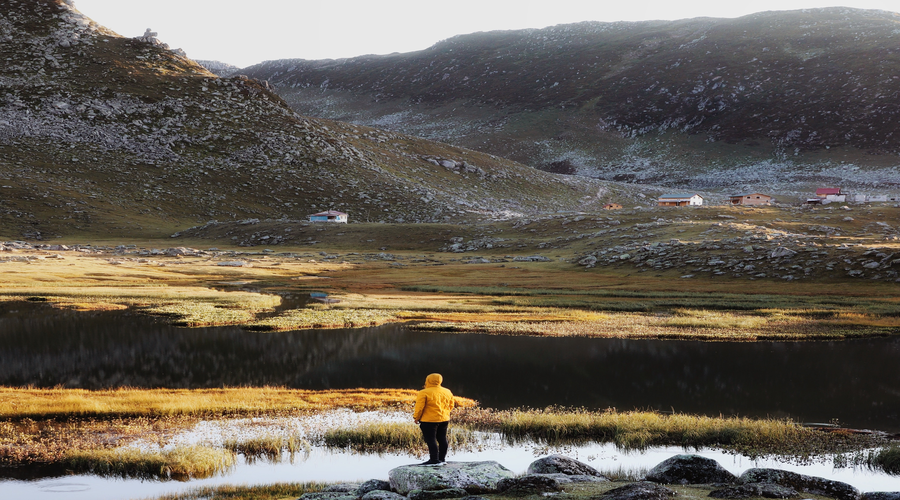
(179,463)
(269,447)
(280,491)
(325,317)
(16,403)
(886,459)
(641,430)
(394,437)
(693,318)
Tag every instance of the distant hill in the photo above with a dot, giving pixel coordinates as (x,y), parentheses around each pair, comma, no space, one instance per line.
(219,68)
(101,134)
(777,101)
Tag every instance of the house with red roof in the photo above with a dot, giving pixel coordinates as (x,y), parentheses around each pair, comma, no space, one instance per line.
(329,216)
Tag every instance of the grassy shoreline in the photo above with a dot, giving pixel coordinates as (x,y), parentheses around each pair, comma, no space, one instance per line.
(92,431)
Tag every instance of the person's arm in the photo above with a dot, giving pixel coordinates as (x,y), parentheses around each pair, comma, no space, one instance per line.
(421,400)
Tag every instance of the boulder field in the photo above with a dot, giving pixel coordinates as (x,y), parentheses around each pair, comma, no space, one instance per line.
(549,475)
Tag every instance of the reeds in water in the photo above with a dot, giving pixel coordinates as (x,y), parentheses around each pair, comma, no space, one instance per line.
(393,437)
(183,462)
(269,447)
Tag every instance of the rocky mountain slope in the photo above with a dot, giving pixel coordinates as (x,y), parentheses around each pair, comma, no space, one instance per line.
(776,101)
(107,134)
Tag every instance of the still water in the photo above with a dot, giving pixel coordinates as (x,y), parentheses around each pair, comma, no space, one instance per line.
(854,382)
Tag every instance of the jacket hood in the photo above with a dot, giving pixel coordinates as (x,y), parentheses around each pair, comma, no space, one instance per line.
(433,380)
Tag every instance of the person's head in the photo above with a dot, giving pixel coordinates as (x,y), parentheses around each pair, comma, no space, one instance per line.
(433,380)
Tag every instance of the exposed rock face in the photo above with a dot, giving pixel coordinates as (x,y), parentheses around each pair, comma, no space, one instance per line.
(382,495)
(690,469)
(474,477)
(559,464)
(881,495)
(800,482)
(372,485)
(437,494)
(639,491)
(765,490)
(575,478)
(529,484)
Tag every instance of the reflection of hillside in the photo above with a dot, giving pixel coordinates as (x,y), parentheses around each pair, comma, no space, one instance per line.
(44,347)
(854,381)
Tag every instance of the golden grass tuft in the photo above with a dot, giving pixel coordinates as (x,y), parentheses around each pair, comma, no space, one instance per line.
(393,437)
(269,447)
(16,403)
(280,491)
(179,463)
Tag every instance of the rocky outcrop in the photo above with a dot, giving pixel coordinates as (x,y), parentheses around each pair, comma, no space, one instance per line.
(529,484)
(437,494)
(559,464)
(639,491)
(690,469)
(764,490)
(803,483)
(474,477)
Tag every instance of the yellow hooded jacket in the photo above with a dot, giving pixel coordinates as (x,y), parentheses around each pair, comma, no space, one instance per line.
(433,403)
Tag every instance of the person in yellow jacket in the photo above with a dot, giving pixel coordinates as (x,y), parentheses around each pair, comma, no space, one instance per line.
(432,414)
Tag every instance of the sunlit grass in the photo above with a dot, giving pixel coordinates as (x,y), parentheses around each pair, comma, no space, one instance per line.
(324,317)
(269,447)
(279,491)
(393,437)
(641,430)
(694,318)
(181,462)
(49,403)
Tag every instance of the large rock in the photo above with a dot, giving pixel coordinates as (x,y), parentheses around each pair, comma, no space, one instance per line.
(800,482)
(690,469)
(559,464)
(881,495)
(764,490)
(382,495)
(474,477)
(373,485)
(575,478)
(437,494)
(529,484)
(638,491)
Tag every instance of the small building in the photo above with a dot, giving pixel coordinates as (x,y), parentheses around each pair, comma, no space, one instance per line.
(612,206)
(750,199)
(831,194)
(680,200)
(329,216)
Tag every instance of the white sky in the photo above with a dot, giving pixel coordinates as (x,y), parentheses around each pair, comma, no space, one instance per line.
(245,32)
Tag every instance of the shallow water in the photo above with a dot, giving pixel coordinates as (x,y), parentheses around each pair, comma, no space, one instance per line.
(325,466)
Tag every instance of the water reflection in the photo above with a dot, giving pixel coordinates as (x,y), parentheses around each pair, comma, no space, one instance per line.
(856,382)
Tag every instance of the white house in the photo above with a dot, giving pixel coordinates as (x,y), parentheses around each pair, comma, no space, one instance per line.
(679,200)
(329,216)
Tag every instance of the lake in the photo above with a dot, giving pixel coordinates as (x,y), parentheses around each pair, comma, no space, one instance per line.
(854,382)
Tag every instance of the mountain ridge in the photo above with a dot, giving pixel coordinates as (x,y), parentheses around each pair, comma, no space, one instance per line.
(694,104)
(102,132)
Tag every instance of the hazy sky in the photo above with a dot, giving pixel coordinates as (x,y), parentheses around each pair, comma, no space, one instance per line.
(245,32)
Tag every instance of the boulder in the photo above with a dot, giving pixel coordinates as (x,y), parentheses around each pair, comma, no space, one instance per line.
(690,469)
(372,485)
(559,464)
(328,495)
(529,484)
(574,478)
(782,252)
(764,490)
(342,488)
(638,491)
(474,477)
(800,482)
(437,494)
(881,495)
(382,495)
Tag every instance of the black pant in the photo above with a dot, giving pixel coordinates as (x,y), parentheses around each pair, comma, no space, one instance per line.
(435,435)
